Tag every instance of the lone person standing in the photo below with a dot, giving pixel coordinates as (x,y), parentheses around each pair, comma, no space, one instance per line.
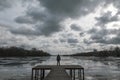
(58,60)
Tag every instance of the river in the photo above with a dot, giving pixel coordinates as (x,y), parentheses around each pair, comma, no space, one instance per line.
(96,68)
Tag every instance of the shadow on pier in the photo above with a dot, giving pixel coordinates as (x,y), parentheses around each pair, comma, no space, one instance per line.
(58,72)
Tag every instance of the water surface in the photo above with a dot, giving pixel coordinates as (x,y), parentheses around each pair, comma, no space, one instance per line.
(95,68)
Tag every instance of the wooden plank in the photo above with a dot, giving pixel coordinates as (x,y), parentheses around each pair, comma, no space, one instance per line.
(58,73)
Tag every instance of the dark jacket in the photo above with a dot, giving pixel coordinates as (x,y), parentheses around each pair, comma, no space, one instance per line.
(58,58)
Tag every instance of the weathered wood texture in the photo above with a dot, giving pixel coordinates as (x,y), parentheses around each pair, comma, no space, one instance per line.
(57,73)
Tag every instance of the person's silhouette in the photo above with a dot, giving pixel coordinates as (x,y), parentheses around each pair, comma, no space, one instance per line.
(58,59)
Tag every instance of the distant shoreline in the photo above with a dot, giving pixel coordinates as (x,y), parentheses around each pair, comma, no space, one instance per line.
(20,52)
(114,53)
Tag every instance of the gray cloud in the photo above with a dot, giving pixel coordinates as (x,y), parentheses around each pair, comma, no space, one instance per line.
(62,40)
(56,41)
(93,30)
(115,3)
(103,36)
(75,27)
(70,8)
(87,41)
(7,39)
(71,40)
(5,4)
(24,31)
(96,35)
(24,19)
(43,23)
(62,7)
(99,34)
(37,14)
(48,28)
(106,18)
(115,40)
(103,31)
(82,34)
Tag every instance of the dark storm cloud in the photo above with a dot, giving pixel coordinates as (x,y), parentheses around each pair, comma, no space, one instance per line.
(24,19)
(106,18)
(5,4)
(82,34)
(24,31)
(75,27)
(3,43)
(48,28)
(98,34)
(43,23)
(50,13)
(93,30)
(37,14)
(87,41)
(62,40)
(70,8)
(114,40)
(103,31)
(101,36)
(62,7)
(71,40)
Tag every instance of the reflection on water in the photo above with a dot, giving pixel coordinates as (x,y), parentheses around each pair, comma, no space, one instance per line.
(18,68)
(95,68)
(100,68)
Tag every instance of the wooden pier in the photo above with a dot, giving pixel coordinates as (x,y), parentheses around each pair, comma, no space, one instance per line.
(75,72)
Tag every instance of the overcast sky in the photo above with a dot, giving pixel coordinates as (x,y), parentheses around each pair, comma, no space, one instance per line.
(60,26)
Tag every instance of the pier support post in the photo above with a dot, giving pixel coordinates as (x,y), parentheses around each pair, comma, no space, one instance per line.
(32,75)
(38,74)
(83,73)
(79,74)
(71,73)
(43,73)
(35,75)
(74,74)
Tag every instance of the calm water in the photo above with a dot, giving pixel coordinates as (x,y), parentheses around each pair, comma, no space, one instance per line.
(95,68)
